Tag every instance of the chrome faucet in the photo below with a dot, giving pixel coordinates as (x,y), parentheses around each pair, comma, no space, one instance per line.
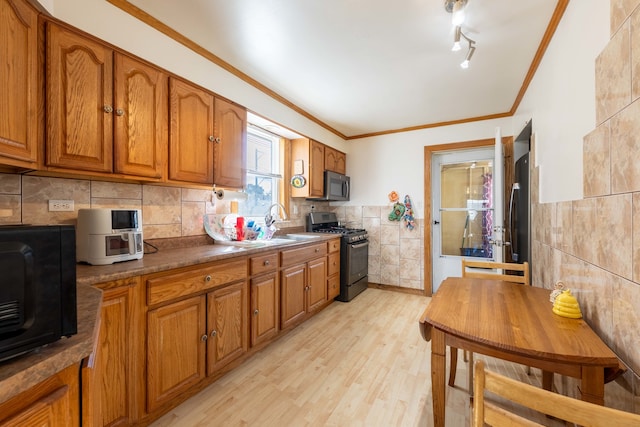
(269,219)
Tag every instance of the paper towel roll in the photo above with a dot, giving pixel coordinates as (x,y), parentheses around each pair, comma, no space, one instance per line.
(222,194)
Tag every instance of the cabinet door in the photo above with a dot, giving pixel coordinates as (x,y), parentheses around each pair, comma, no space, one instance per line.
(79,102)
(264,308)
(176,346)
(18,83)
(334,160)
(230,159)
(316,181)
(227,325)
(141,103)
(293,283)
(116,354)
(190,133)
(317,290)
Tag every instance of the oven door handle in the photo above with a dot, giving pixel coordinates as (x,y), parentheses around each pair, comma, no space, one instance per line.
(359,245)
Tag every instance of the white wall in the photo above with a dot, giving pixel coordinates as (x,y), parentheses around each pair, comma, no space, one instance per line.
(103,20)
(561,98)
(380,164)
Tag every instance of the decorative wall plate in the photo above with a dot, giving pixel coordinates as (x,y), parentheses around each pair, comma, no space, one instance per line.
(298,181)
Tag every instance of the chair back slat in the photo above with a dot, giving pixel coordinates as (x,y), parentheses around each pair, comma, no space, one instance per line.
(470,269)
(539,400)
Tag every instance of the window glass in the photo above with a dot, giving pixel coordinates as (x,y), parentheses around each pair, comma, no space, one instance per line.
(263,172)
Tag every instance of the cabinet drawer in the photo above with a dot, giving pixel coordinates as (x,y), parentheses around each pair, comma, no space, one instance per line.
(263,263)
(167,287)
(333,287)
(333,267)
(294,256)
(334,245)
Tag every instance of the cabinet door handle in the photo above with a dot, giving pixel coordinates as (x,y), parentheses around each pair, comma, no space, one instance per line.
(213,333)
(119,112)
(267,262)
(217,140)
(108,109)
(211,138)
(317,249)
(207,278)
(203,338)
(255,312)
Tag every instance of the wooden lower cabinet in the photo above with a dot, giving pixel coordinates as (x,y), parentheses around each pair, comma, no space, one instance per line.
(176,349)
(333,269)
(317,291)
(111,385)
(54,402)
(190,339)
(264,308)
(303,290)
(227,320)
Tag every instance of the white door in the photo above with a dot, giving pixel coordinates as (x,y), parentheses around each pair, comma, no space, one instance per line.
(467,208)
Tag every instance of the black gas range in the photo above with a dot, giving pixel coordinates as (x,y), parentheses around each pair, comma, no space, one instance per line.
(354,252)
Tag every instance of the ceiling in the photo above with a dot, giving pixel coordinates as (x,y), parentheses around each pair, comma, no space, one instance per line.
(362,67)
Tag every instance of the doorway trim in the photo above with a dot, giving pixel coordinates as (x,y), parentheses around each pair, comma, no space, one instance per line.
(429,150)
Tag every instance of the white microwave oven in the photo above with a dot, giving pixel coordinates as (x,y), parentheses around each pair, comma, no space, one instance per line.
(105,236)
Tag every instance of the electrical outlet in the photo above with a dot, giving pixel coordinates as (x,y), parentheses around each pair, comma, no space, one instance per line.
(60,205)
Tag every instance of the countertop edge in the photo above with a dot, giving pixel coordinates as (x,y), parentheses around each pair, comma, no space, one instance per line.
(24,372)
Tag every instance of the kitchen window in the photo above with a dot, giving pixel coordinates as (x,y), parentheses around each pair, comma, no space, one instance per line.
(263,172)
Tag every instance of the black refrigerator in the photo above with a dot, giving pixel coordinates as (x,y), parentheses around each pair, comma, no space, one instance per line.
(520,213)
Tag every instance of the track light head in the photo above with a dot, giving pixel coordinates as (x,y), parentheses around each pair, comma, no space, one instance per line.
(465,63)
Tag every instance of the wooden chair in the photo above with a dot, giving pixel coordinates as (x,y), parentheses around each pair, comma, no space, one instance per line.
(485,270)
(543,401)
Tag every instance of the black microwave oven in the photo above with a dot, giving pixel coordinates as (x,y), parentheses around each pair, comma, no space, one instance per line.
(337,187)
(37,286)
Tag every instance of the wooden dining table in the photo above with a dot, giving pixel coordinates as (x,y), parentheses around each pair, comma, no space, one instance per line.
(512,322)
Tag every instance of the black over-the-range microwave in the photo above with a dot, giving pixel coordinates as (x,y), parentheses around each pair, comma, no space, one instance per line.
(37,286)
(337,187)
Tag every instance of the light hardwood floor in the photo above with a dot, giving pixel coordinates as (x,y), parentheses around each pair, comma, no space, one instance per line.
(361,363)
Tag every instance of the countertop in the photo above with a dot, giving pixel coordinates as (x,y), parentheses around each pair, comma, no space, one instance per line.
(23,372)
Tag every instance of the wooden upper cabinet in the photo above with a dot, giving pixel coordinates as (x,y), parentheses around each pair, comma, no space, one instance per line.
(191,133)
(141,115)
(79,102)
(335,160)
(18,83)
(308,155)
(230,160)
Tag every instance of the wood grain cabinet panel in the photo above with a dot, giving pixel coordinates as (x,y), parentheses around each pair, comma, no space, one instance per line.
(227,321)
(335,160)
(176,349)
(309,155)
(18,84)
(230,162)
(293,283)
(79,102)
(317,279)
(191,133)
(118,350)
(55,402)
(141,118)
(264,308)
(303,287)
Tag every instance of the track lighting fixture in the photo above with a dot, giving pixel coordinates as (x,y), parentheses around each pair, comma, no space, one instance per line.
(465,64)
(456,8)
